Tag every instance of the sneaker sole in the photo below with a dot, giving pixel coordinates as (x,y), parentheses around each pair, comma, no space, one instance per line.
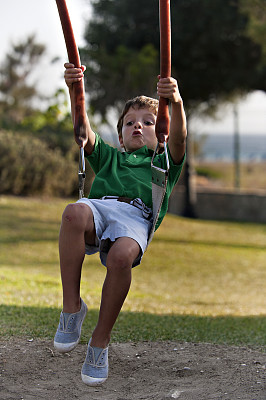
(88,380)
(65,347)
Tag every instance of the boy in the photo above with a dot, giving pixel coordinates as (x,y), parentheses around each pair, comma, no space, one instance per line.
(116,218)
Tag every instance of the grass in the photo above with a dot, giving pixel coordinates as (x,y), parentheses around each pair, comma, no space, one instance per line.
(200,281)
(222,175)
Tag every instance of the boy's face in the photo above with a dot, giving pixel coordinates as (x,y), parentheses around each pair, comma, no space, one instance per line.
(138,129)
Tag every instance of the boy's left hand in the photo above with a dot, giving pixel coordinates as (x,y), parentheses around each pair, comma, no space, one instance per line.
(168,88)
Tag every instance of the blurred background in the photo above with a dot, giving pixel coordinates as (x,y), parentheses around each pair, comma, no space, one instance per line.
(203,277)
(218,58)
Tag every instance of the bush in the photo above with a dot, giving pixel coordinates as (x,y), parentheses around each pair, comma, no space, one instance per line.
(29,167)
(208,172)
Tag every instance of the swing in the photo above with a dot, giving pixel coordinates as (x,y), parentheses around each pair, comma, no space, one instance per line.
(159,175)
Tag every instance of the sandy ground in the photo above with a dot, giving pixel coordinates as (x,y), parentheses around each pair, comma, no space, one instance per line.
(31,369)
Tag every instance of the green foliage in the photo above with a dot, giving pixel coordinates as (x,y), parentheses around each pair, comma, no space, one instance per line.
(46,161)
(18,92)
(256,13)
(256,29)
(212,55)
(29,167)
(54,125)
(18,110)
(123,74)
(208,172)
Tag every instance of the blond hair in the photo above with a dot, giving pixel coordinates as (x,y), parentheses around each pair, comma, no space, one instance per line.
(137,102)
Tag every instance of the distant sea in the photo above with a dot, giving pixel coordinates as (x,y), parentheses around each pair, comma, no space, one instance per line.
(221,147)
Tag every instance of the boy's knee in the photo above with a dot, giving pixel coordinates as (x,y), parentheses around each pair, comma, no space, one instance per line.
(118,263)
(122,257)
(76,215)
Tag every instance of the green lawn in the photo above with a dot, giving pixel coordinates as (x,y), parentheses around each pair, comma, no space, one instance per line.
(201,281)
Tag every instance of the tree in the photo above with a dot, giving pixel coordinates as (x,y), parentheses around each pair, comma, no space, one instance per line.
(255,10)
(212,55)
(50,119)
(17,92)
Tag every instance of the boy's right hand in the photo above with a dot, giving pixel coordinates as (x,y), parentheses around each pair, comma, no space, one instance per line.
(86,137)
(73,74)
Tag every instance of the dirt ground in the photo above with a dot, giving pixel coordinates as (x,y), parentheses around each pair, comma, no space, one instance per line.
(31,369)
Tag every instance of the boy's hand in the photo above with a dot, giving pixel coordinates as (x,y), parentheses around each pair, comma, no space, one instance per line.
(168,88)
(73,74)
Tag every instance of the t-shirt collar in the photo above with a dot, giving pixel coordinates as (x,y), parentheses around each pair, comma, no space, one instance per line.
(143,150)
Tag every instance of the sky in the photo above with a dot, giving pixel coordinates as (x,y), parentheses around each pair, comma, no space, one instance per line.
(21,18)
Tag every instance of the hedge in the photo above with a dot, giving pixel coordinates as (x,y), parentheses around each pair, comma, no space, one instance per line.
(29,167)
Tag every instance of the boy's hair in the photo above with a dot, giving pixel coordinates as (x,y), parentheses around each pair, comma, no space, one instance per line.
(137,102)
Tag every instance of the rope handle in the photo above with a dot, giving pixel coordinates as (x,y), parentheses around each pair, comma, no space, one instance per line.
(79,122)
(73,56)
(163,121)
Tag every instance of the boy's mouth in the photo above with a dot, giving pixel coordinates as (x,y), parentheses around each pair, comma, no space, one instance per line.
(136,133)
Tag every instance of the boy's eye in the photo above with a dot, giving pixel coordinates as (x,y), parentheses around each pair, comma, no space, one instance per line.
(148,123)
(129,123)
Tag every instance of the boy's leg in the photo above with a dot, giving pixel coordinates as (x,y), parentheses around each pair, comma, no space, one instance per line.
(115,288)
(77,222)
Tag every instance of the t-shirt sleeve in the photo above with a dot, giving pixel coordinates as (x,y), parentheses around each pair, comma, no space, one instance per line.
(100,154)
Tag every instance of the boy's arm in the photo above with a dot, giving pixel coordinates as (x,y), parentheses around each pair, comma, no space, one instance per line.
(168,88)
(73,75)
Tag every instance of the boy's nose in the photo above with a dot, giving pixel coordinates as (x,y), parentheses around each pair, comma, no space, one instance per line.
(138,125)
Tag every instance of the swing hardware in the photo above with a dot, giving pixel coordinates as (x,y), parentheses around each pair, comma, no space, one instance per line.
(81,173)
(159,175)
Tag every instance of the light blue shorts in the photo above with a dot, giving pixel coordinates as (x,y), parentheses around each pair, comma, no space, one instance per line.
(114,219)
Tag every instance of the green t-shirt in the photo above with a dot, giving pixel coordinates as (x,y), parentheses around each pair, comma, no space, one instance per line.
(128,174)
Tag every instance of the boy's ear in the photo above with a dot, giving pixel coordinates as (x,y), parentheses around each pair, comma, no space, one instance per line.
(121,141)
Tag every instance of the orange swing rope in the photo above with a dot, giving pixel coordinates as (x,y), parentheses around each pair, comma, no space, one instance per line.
(79,122)
(159,175)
